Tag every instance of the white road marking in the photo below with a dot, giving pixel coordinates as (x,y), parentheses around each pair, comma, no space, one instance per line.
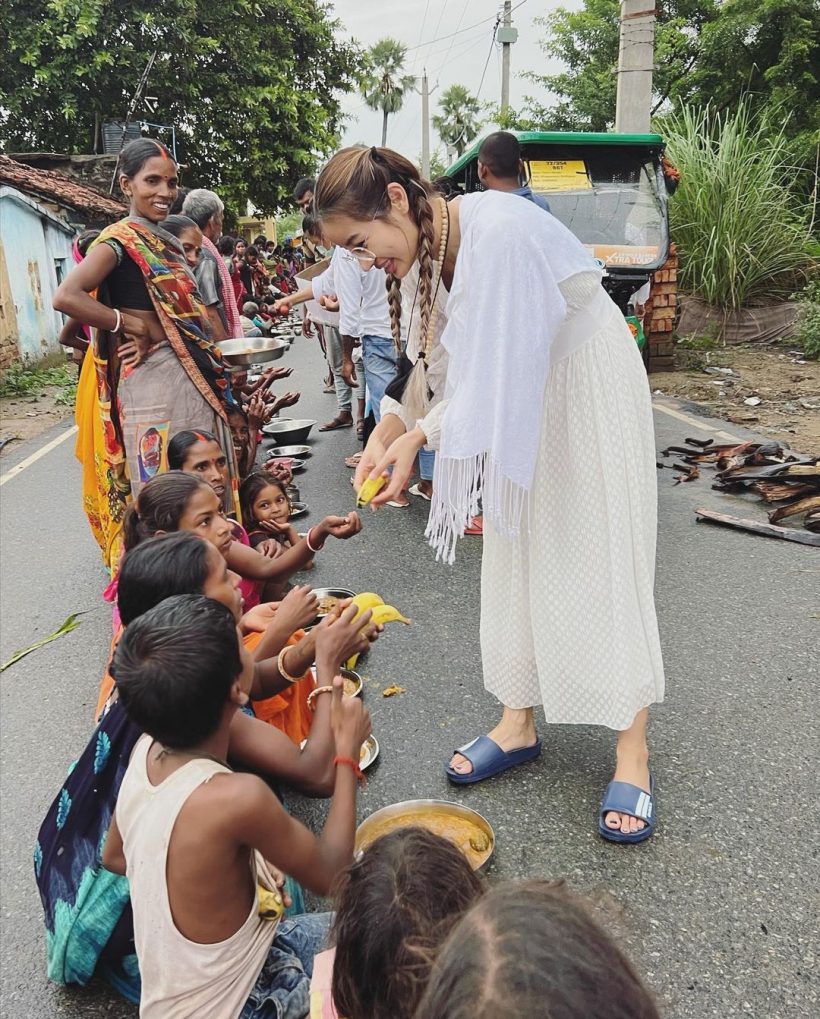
(29,460)
(694,422)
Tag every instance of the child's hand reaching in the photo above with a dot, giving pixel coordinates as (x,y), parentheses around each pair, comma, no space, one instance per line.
(340,527)
(297,609)
(286,400)
(349,722)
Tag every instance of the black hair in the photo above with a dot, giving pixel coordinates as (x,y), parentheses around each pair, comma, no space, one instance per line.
(178,202)
(180,444)
(260,240)
(174,667)
(531,949)
(252,250)
(163,566)
(446,186)
(159,506)
(226,245)
(252,486)
(136,154)
(501,154)
(303,185)
(84,240)
(395,907)
(176,224)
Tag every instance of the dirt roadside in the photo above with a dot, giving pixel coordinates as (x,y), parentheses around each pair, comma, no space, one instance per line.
(26,417)
(783,387)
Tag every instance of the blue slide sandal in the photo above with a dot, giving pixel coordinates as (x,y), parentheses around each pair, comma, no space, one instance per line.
(488,759)
(625,798)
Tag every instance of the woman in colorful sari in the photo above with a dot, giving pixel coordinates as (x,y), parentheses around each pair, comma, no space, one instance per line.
(154,371)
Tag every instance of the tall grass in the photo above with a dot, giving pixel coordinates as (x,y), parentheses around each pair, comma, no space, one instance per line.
(742,237)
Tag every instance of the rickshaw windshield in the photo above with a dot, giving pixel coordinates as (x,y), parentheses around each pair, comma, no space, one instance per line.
(612,199)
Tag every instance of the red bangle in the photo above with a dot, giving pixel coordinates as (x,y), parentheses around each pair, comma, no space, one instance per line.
(307,539)
(357,771)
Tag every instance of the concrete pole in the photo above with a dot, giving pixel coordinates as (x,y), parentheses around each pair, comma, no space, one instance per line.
(635,65)
(507,35)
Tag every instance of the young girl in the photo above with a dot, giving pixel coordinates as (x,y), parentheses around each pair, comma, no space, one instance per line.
(395,907)
(543,399)
(266,509)
(529,950)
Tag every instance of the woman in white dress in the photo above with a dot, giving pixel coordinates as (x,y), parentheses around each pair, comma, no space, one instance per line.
(537,403)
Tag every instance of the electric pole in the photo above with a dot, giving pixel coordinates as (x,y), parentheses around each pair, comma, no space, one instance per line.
(636,59)
(507,35)
(426,92)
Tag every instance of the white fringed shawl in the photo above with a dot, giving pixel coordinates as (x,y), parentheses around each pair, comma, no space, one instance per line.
(504,311)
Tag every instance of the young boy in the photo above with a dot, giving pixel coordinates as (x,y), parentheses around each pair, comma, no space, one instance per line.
(194,838)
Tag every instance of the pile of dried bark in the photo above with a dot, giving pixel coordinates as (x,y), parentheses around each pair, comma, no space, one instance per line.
(770,471)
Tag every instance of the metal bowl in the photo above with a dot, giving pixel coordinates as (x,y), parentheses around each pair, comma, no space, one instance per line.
(247,350)
(417,812)
(291,462)
(339,593)
(298,509)
(353,681)
(369,752)
(292,451)
(287,430)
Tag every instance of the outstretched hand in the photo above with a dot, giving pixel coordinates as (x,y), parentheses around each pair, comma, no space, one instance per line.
(401,457)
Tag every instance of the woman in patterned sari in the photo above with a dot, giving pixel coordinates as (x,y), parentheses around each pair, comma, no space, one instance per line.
(154,371)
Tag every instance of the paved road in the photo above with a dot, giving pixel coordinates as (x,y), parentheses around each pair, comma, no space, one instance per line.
(719,909)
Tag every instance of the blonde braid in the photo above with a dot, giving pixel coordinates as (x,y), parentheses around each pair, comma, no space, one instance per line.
(394,304)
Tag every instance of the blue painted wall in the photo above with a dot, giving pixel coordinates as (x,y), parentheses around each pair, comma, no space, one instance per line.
(38,254)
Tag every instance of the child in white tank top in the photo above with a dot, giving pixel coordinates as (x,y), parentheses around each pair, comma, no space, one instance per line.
(194,838)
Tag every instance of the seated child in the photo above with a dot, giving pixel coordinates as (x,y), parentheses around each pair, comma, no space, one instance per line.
(395,907)
(266,510)
(530,950)
(198,842)
(85,907)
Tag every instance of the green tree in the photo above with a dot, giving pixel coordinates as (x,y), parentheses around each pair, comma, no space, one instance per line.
(458,121)
(383,83)
(706,52)
(251,85)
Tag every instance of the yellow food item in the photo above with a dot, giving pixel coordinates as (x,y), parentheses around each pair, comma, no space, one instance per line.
(352,661)
(327,604)
(466,835)
(388,614)
(367,600)
(391,691)
(369,489)
(351,687)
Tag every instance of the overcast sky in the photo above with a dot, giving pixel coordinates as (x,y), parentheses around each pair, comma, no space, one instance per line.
(459,59)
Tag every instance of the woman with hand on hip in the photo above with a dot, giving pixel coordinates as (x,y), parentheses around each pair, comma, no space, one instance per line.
(154,370)
(544,414)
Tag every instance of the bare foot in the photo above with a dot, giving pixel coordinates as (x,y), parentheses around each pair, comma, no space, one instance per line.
(515,731)
(632,767)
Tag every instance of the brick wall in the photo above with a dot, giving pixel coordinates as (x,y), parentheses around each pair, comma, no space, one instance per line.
(660,314)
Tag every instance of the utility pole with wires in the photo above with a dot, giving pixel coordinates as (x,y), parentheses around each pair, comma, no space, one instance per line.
(636,59)
(506,35)
(425,93)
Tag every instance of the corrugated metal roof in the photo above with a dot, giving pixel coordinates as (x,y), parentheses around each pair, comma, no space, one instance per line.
(59,188)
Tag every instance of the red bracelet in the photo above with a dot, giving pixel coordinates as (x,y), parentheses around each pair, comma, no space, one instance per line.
(357,771)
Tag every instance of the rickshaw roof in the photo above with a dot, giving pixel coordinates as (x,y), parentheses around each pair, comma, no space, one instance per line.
(611,138)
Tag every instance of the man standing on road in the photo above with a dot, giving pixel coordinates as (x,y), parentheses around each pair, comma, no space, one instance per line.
(500,168)
(205,208)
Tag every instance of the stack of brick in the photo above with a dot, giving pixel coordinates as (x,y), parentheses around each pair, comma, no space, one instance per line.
(660,314)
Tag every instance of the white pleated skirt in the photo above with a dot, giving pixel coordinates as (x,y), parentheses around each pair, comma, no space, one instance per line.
(567,608)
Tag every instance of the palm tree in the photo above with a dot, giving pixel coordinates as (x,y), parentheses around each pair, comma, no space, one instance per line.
(383,84)
(457,123)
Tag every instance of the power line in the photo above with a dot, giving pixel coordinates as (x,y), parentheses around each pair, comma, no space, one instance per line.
(489,54)
(458,26)
(467,29)
(421,30)
(438,25)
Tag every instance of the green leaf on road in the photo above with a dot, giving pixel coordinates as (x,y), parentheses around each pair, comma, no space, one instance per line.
(70,624)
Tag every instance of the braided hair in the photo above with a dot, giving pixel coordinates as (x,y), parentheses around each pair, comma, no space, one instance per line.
(354,183)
